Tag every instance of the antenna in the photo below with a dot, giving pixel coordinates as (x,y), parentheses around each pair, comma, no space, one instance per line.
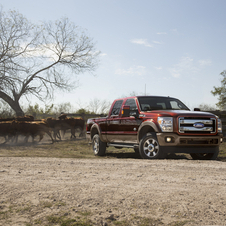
(145,90)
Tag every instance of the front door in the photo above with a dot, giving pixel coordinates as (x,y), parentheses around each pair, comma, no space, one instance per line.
(123,130)
(130,124)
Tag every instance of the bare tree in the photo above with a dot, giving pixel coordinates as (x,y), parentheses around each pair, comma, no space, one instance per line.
(38,59)
(99,106)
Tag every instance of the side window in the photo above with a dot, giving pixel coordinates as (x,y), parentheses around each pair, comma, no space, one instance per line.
(116,108)
(175,105)
(133,106)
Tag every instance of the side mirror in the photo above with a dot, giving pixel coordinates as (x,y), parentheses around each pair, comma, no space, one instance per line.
(196,109)
(125,111)
(134,113)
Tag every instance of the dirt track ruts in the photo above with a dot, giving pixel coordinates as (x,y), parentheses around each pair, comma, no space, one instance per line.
(168,191)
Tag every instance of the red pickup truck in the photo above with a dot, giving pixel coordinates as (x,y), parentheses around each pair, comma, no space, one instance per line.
(155,126)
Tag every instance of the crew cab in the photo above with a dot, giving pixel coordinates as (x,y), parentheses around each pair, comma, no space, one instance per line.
(155,126)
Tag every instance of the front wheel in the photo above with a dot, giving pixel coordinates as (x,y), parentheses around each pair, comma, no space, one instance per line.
(99,147)
(205,156)
(149,147)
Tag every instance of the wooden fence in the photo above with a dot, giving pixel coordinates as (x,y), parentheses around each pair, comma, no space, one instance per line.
(83,116)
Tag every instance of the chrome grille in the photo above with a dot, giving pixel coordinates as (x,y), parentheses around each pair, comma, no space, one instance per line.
(197,125)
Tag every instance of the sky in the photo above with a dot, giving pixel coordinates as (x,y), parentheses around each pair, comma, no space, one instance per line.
(171,48)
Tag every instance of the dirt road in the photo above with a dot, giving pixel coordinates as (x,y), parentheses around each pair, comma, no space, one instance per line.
(102,191)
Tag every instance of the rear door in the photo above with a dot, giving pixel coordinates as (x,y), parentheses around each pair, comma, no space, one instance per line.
(114,130)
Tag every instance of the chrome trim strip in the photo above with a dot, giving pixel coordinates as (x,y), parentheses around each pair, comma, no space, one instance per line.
(205,129)
(192,121)
(120,145)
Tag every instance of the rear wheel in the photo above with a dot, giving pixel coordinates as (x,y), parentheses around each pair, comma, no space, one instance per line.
(205,156)
(99,147)
(149,147)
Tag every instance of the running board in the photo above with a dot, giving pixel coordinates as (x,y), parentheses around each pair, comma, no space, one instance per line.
(122,145)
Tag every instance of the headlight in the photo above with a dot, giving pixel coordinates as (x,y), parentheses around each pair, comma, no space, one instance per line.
(219,125)
(166,124)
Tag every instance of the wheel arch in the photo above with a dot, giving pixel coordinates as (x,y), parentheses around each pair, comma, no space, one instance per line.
(95,129)
(147,127)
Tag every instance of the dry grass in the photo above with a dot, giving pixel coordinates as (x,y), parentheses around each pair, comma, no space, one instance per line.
(222,154)
(73,148)
(62,149)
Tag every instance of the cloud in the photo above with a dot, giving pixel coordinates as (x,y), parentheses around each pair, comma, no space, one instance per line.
(161,33)
(103,54)
(158,68)
(141,42)
(184,67)
(156,42)
(205,62)
(188,66)
(133,71)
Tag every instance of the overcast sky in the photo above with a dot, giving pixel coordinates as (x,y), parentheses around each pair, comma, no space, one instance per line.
(172,47)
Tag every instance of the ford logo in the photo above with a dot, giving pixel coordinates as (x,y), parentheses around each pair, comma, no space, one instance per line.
(198,125)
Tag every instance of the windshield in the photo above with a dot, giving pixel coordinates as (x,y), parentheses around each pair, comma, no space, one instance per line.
(160,103)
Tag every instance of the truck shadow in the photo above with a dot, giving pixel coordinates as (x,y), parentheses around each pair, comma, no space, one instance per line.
(221,159)
(133,155)
(122,155)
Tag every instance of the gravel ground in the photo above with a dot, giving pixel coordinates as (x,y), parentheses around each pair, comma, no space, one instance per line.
(112,191)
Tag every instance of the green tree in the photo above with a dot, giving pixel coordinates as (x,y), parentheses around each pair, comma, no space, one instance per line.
(83,111)
(38,60)
(38,111)
(221,92)
(63,108)
(207,107)
(5,110)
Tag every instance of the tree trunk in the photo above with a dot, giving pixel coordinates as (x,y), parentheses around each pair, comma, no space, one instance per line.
(14,104)
(16,107)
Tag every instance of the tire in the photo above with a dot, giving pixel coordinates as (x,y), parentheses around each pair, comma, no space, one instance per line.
(149,147)
(99,147)
(136,149)
(205,156)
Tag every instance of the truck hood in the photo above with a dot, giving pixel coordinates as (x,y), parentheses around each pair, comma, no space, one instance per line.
(176,113)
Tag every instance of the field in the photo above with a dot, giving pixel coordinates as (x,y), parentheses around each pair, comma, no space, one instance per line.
(65,184)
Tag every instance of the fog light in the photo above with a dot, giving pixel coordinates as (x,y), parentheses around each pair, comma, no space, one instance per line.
(168,139)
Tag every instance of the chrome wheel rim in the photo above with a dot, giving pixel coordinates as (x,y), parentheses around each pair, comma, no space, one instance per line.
(95,145)
(151,148)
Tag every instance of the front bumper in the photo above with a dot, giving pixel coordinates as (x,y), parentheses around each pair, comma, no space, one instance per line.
(174,143)
(172,139)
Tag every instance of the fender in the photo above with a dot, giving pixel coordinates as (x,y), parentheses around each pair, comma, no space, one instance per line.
(95,129)
(147,126)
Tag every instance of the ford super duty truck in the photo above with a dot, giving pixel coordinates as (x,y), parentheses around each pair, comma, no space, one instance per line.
(155,126)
